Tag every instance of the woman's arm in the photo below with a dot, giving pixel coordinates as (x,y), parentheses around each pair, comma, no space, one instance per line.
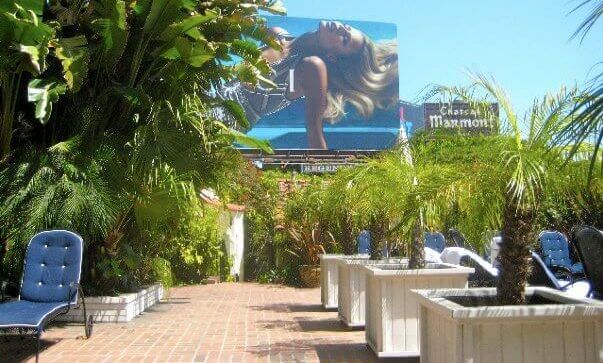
(310,80)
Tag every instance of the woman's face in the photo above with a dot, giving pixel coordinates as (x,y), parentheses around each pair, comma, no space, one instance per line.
(338,38)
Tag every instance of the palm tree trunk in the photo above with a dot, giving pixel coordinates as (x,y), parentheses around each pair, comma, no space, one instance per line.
(417,252)
(378,229)
(514,254)
(347,234)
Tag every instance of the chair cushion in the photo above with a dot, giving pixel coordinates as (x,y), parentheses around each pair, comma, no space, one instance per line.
(555,249)
(435,241)
(21,313)
(577,268)
(53,261)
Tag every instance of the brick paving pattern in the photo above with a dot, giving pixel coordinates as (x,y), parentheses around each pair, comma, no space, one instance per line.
(228,322)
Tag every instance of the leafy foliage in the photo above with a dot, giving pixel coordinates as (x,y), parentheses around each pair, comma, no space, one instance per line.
(107,128)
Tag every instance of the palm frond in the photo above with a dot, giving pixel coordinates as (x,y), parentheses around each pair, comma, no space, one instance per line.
(591,18)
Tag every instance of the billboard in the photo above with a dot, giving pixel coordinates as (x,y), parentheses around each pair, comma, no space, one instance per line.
(336,86)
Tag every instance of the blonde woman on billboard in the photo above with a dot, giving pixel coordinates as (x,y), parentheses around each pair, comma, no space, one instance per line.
(330,67)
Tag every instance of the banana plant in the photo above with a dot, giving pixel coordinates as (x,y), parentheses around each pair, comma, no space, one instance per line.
(28,46)
(24,46)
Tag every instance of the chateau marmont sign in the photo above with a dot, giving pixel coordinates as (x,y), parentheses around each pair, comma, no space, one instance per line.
(461,116)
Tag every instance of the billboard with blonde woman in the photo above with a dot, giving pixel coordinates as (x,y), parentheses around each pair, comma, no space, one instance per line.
(336,86)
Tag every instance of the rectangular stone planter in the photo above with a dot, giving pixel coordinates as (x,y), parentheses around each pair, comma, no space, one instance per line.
(566,330)
(329,278)
(117,309)
(352,288)
(392,311)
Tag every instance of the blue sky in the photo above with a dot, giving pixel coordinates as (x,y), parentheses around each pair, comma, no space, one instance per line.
(524,44)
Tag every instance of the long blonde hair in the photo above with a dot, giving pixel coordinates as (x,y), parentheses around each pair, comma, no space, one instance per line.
(367,79)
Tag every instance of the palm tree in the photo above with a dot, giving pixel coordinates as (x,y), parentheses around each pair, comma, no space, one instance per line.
(374,192)
(521,174)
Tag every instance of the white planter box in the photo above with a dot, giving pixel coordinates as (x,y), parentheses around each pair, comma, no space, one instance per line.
(116,309)
(328,280)
(329,277)
(392,310)
(352,288)
(569,332)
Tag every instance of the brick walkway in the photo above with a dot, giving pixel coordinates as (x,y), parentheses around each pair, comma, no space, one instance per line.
(213,323)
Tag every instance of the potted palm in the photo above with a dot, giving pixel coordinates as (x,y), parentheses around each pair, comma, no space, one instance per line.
(398,195)
(308,235)
(519,323)
(344,229)
(306,245)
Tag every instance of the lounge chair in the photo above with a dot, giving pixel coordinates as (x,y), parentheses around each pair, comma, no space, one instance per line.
(541,275)
(457,237)
(364,242)
(49,287)
(589,243)
(432,256)
(485,274)
(435,241)
(554,249)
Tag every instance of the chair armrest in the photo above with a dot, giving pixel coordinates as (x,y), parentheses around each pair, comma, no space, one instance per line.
(74,287)
(3,286)
(563,270)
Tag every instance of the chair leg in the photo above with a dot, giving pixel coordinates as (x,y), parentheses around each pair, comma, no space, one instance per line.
(38,345)
(88,320)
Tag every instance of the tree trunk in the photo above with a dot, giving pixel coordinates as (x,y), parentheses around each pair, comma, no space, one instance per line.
(348,240)
(3,248)
(417,252)
(378,230)
(514,254)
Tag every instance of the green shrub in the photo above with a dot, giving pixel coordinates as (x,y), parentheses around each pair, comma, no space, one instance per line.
(196,248)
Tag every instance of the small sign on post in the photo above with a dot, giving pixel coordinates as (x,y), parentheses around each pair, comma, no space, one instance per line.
(320,168)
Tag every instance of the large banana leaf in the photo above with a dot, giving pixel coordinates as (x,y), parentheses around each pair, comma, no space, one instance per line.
(37,6)
(162,13)
(24,27)
(274,7)
(193,53)
(111,27)
(187,26)
(73,54)
(35,57)
(236,111)
(246,140)
(43,93)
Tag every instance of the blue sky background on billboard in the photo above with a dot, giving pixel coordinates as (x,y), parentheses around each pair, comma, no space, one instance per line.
(524,44)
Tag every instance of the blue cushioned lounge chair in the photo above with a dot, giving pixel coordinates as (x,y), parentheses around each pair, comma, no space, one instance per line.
(554,249)
(364,242)
(540,275)
(49,287)
(435,241)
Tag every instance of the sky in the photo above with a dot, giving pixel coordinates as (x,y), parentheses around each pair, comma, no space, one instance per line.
(525,45)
